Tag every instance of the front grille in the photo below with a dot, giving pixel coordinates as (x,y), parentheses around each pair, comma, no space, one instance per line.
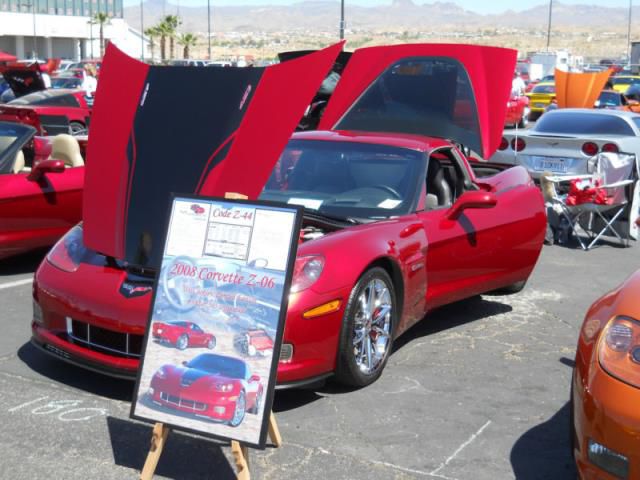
(183,402)
(104,340)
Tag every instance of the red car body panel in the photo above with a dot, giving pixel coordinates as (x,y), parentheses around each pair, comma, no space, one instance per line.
(203,394)
(171,332)
(432,258)
(36,115)
(490,70)
(246,130)
(260,340)
(516,107)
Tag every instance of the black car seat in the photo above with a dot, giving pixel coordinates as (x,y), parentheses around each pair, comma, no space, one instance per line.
(437,183)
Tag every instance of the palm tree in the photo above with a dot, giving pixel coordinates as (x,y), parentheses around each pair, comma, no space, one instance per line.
(152,33)
(187,40)
(171,23)
(162,30)
(102,19)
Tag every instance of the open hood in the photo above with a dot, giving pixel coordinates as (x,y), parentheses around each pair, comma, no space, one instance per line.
(151,136)
(24,80)
(579,90)
(458,92)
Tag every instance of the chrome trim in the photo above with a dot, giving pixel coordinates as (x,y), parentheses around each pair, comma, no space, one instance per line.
(166,398)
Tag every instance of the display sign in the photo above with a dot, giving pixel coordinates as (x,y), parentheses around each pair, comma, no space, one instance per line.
(215,327)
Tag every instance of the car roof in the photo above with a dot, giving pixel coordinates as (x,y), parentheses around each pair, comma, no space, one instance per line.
(401,140)
(617,113)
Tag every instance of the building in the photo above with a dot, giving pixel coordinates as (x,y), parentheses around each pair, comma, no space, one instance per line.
(62,29)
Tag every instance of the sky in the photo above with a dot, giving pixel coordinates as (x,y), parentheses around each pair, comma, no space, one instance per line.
(479,6)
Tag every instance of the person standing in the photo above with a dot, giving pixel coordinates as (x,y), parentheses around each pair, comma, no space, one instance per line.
(90,83)
(517,85)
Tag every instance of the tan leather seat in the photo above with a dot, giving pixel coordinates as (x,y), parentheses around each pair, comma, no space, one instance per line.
(19,164)
(66,148)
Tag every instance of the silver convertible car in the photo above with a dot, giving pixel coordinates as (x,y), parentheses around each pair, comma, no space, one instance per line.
(563,141)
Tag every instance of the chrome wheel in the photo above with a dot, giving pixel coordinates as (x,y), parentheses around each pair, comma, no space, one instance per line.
(372,326)
(238,414)
(182,342)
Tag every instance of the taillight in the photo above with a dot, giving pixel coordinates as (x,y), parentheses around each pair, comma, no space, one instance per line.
(518,144)
(610,148)
(590,149)
(504,143)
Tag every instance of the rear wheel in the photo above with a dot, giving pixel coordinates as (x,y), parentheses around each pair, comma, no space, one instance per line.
(524,120)
(511,289)
(182,342)
(367,329)
(75,128)
(211,344)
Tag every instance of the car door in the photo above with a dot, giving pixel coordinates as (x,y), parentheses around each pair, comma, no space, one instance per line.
(463,254)
(35,214)
(197,336)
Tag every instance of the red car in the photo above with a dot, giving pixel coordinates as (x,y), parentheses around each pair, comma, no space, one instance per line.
(254,342)
(40,199)
(517,111)
(50,112)
(397,220)
(183,335)
(209,386)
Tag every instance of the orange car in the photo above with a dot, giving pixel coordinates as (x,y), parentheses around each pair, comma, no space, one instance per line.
(606,387)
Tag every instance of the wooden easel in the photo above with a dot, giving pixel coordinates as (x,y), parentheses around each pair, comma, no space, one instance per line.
(240,451)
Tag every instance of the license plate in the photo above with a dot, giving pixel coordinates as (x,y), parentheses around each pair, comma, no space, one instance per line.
(539,105)
(556,165)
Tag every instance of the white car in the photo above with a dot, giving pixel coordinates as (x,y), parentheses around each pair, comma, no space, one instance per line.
(564,140)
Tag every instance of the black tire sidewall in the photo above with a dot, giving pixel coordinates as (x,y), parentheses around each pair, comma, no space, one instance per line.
(347,371)
(180,340)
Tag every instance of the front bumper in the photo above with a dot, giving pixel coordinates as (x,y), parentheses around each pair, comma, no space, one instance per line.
(606,412)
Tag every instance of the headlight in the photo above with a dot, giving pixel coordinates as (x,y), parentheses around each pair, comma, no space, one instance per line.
(619,350)
(306,272)
(224,387)
(69,251)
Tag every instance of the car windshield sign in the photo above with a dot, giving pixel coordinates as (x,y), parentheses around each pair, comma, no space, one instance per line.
(344,179)
(582,123)
(422,95)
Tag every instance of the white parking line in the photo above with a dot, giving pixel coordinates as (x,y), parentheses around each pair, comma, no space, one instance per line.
(460,448)
(17,283)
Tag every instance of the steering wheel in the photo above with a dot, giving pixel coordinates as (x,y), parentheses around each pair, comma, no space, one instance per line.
(388,189)
(178,289)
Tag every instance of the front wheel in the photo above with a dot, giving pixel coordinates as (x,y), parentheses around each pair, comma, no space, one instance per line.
(240,410)
(367,329)
(76,128)
(211,344)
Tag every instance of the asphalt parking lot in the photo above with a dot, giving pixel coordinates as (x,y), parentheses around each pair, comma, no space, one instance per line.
(477,390)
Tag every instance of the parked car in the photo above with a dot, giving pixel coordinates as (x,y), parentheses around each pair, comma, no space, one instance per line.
(182,335)
(40,198)
(540,97)
(612,99)
(397,220)
(254,342)
(563,140)
(50,112)
(621,83)
(216,387)
(517,111)
(605,387)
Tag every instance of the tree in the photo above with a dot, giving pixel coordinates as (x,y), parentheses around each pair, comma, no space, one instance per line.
(187,40)
(102,19)
(163,31)
(152,33)
(171,23)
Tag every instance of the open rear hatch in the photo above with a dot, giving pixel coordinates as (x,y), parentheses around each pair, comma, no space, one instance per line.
(23,80)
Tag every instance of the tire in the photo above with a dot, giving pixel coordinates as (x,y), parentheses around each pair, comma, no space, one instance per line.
(182,342)
(251,350)
(510,289)
(256,407)
(524,120)
(211,344)
(76,128)
(361,360)
(240,411)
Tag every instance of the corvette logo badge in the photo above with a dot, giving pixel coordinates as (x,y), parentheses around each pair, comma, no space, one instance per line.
(130,290)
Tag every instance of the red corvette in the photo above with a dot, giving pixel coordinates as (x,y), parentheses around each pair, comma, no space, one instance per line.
(183,335)
(517,111)
(254,342)
(214,387)
(50,112)
(397,220)
(40,199)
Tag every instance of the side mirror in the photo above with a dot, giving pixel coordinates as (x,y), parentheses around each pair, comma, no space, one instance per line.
(254,378)
(472,199)
(45,166)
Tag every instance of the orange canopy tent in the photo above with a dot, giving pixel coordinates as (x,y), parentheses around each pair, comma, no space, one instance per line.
(579,90)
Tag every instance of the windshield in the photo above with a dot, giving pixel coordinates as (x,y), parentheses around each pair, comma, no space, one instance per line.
(609,99)
(47,98)
(66,82)
(12,137)
(544,89)
(625,80)
(582,123)
(345,179)
(219,365)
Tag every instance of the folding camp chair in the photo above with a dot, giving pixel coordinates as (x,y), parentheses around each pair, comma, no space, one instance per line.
(614,179)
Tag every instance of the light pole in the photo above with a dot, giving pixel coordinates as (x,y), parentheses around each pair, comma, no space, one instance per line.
(141,31)
(629,36)
(35,40)
(209,26)
(549,25)
(341,19)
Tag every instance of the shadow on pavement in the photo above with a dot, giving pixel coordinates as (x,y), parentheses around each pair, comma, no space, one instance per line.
(76,377)
(451,316)
(184,456)
(27,263)
(544,452)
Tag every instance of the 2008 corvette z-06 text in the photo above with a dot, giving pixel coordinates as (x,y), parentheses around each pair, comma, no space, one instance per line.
(398,220)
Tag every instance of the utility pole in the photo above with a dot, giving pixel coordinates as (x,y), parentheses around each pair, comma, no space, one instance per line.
(629,36)
(549,25)
(341,19)
(141,31)
(209,26)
